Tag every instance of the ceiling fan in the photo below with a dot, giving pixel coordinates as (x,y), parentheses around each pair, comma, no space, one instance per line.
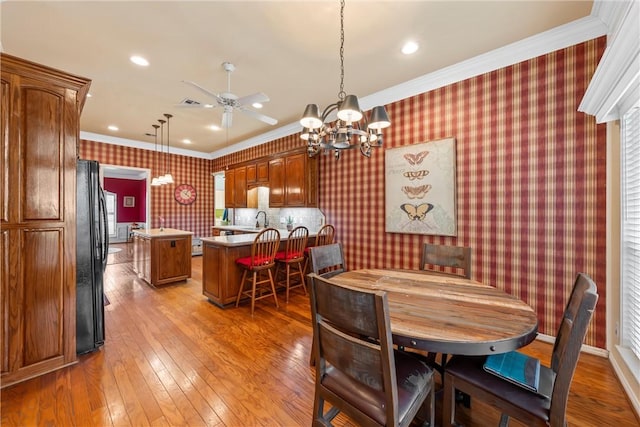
(229,101)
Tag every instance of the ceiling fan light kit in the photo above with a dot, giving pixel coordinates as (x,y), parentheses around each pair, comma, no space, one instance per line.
(346,132)
(230,101)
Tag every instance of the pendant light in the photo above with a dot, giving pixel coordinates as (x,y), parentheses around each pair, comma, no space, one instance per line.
(346,132)
(161,178)
(155,182)
(168,178)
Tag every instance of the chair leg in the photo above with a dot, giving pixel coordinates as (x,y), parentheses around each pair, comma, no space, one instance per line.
(288,273)
(244,276)
(273,288)
(304,287)
(253,292)
(448,402)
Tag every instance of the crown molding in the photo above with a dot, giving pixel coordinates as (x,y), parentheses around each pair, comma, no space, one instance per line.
(106,139)
(561,37)
(618,72)
(570,34)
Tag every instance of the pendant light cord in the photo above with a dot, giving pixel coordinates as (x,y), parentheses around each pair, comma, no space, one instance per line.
(341,94)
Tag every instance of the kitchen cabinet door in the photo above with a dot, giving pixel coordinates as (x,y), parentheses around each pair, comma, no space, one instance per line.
(229,188)
(276,183)
(294,194)
(251,174)
(262,172)
(240,187)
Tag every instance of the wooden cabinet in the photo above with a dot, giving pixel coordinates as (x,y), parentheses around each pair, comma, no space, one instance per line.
(240,187)
(220,275)
(229,188)
(276,183)
(262,172)
(235,187)
(293,181)
(251,174)
(162,257)
(39,119)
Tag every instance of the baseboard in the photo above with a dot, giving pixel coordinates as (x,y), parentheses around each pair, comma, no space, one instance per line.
(585,348)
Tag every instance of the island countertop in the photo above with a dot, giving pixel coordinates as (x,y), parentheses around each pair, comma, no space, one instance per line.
(243,239)
(156,232)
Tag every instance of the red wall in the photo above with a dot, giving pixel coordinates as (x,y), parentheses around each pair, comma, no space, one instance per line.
(531,182)
(129,187)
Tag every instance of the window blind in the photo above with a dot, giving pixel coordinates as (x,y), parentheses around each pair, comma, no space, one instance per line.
(631,230)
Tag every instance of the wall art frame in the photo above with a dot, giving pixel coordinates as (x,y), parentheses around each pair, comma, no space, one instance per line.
(420,188)
(129,201)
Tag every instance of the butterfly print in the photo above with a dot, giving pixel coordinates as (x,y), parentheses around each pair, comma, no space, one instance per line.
(416,192)
(416,211)
(416,159)
(416,174)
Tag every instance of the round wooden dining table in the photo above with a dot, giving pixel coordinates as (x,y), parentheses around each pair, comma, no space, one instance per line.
(448,314)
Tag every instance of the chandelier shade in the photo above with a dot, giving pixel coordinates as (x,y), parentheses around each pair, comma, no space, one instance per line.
(352,129)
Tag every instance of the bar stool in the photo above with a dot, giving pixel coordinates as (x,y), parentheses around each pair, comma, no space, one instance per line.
(261,260)
(325,236)
(293,256)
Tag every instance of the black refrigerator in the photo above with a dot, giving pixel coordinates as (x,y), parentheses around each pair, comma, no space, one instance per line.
(91,257)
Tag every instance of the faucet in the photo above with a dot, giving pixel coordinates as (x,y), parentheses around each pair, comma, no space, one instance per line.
(266,220)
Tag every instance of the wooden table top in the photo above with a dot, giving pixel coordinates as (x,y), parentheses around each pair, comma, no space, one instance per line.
(446,314)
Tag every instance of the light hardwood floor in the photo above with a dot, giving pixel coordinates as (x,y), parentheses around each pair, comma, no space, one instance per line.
(173,359)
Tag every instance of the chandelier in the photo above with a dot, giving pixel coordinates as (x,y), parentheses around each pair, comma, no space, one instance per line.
(351,129)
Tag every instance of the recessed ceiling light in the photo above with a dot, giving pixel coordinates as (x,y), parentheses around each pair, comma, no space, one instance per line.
(256,105)
(139,60)
(186,141)
(112,127)
(214,127)
(410,47)
(208,105)
(89,95)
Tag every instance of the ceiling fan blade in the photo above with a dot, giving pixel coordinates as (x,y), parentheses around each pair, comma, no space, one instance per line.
(203,90)
(227,119)
(250,99)
(183,105)
(261,117)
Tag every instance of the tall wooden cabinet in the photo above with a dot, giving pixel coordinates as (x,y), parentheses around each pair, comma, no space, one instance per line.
(39,122)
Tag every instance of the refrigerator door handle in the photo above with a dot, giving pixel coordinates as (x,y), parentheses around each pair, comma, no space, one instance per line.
(104,230)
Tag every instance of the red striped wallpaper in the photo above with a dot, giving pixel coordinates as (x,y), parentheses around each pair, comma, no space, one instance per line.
(197,217)
(530,178)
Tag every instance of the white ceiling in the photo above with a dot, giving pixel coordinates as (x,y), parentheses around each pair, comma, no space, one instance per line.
(286,49)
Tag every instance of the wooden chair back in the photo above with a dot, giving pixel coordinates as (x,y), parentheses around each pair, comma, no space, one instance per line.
(325,235)
(342,317)
(264,249)
(327,260)
(296,242)
(457,258)
(566,350)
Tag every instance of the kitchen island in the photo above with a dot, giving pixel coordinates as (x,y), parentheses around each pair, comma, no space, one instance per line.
(162,256)
(220,274)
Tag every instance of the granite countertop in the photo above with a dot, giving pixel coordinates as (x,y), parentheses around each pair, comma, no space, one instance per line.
(243,239)
(156,232)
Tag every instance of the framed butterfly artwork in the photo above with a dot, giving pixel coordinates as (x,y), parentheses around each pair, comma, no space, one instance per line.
(420,188)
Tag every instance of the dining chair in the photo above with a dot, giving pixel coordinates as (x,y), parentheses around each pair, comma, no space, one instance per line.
(456,258)
(261,261)
(366,379)
(466,373)
(325,236)
(292,259)
(327,260)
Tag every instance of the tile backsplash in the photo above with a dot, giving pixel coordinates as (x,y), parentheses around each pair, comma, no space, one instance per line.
(312,218)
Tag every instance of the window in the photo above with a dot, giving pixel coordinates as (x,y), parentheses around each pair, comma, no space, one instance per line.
(110,199)
(630,233)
